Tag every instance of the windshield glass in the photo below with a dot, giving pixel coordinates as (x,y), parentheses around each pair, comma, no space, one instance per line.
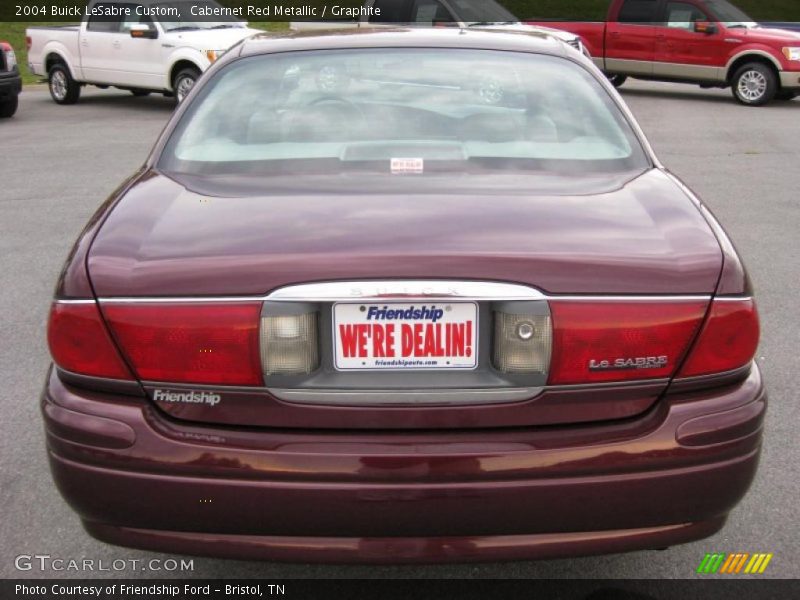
(729,15)
(185,21)
(481,11)
(397,111)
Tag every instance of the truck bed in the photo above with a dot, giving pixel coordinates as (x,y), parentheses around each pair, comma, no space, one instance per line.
(63,39)
(592,34)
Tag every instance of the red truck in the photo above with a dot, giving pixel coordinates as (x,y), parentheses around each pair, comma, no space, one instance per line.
(711,43)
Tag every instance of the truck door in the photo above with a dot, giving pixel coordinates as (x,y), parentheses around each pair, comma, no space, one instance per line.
(140,59)
(689,44)
(630,37)
(96,46)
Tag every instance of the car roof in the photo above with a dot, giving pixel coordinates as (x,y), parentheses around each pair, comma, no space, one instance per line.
(402,37)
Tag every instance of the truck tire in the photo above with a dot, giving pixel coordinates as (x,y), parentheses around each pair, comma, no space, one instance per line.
(8,108)
(617,80)
(63,88)
(754,84)
(184,82)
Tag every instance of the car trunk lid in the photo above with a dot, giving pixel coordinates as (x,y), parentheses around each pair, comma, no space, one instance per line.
(633,242)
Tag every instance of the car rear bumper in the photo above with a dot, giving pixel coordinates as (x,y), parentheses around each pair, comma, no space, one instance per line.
(668,477)
(10,85)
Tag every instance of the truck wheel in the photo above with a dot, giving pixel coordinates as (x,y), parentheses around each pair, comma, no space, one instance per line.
(617,80)
(8,108)
(754,84)
(63,88)
(184,82)
(140,93)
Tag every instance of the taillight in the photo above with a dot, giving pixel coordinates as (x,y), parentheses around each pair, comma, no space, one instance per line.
(620,340)
(9,57)
(728,341)
(201,343)
(79,341)
(522,343)
(289,344)
(28,42)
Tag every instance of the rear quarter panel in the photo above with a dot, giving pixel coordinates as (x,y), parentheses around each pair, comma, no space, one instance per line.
(61,41)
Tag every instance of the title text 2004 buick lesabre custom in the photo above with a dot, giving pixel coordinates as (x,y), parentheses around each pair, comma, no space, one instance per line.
(403,296)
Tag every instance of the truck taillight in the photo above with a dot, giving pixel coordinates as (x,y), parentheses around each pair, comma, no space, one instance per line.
(79,341)
(608,341)
(201,343)
(728,340)
(28,42)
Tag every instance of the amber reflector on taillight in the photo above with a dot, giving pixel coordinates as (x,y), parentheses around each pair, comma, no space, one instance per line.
(80,343)
(621,340)
(202,343)
(728,341)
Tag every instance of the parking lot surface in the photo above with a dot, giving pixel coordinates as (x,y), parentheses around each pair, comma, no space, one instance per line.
(60,162)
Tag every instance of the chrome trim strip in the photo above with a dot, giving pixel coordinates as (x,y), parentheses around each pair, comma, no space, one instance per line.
(733,299)
(405,289)
(431,397)
(181,300)
(630,298)
(68,301)
(344,291)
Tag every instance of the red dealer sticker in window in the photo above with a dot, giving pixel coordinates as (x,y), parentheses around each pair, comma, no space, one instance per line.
(405,336)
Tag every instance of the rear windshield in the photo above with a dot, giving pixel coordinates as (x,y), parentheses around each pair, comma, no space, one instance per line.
(402,111)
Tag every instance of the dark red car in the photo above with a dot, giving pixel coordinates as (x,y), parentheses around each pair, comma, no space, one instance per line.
(403,296)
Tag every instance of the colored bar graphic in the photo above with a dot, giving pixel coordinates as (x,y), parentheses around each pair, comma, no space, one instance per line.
(727,566)
(767,558)
(741,562)
(734,564)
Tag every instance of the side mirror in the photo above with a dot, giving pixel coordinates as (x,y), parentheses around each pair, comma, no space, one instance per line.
(144,31)
(705,27)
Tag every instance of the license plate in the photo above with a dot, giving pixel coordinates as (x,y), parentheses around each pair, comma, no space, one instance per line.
(405,336)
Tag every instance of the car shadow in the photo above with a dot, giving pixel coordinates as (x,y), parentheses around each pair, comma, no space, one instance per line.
(153,102)
(709,97)
(679,95)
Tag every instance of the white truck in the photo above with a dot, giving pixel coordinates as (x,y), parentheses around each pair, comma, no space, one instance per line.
(142,46)
(483,14)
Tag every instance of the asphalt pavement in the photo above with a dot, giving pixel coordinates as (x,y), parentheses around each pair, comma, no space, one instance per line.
(58,163)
